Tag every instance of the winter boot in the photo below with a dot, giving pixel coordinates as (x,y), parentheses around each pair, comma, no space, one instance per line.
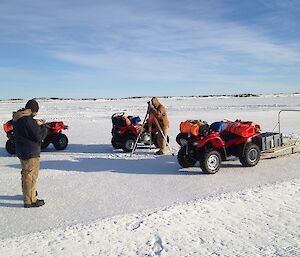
(159,153)
(38,203)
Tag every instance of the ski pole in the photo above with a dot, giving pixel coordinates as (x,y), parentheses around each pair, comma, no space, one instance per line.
(150,123)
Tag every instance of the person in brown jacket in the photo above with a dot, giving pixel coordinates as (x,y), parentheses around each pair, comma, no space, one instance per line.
(159,112)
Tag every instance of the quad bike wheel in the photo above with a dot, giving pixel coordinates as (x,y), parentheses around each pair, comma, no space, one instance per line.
(60,141)
(251,155)
(128,143)
(115,144)
(210,162)
(182,139)
(46,142)
(146,138)
(184,159)
(10,146)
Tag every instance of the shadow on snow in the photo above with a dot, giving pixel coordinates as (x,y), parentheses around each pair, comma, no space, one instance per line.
(85,158)
(11,198)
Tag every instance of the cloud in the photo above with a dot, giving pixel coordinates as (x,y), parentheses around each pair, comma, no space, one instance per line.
(181,49)
(127,26)
(151,41)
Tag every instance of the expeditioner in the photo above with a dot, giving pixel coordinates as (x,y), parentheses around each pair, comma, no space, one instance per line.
(29,134)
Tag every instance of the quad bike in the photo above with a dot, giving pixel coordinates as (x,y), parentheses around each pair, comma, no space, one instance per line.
(241,139)
(54,136)
(126,129)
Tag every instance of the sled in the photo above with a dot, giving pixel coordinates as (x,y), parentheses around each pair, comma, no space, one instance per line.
(290,146)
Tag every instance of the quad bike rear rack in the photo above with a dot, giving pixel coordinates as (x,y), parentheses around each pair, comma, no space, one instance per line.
(290,144)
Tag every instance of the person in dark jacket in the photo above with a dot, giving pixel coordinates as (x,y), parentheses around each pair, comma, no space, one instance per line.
(29,134)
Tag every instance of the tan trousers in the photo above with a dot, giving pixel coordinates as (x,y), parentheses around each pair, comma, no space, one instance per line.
(161,142)
(30,172)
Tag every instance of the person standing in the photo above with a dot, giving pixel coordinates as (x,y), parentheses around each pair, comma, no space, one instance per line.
(29,134)
(160,113)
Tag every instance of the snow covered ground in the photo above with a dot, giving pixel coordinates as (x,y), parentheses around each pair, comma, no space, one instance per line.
(101,202)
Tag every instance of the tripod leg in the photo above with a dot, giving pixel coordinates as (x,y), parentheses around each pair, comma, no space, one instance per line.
(139,135)
(150,147)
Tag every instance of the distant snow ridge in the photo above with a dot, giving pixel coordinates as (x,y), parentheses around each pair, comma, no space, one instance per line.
(242,95)
(263,221)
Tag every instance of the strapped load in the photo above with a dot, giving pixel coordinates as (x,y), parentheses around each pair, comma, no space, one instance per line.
(243,128)
(194,127)
(134,120)
(120,120)
(218,126)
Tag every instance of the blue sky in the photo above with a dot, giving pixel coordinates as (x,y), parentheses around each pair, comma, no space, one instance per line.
(94,48)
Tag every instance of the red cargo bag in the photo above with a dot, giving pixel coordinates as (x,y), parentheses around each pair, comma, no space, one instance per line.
(243,128)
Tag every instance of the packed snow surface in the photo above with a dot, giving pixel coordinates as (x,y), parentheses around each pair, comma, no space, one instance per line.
(102,202)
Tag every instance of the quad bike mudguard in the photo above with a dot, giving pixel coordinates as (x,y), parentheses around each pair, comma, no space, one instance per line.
(214,139)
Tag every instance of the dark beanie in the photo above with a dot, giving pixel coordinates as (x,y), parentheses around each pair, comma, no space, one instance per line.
(33,105)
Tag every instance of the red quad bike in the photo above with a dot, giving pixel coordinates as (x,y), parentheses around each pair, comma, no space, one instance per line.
(125,131)
(210,148)
(55,136)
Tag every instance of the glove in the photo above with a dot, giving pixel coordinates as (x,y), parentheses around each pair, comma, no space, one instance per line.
(40,122)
